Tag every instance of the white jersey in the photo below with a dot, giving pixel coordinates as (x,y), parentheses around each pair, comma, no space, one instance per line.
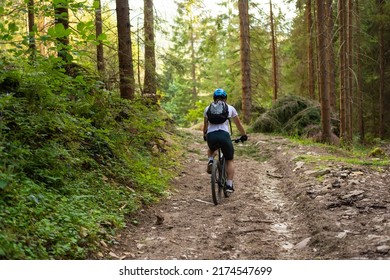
(223,126)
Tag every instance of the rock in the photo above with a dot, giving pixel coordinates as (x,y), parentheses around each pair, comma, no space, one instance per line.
(353,182)
(336,184)
(352,194)
(299,165)
(113,255)
(317,173)
(159,219)
(342,234)
(384,249)
(303,243)
(357,173)
(287,245)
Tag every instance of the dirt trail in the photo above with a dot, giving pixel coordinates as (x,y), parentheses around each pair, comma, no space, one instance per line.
(273,213)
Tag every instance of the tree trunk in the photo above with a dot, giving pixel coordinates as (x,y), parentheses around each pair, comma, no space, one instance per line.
(381,70)
(245,59)
(349,56)
(150,82)
(343,70)
(193,63)
(359,77)
(310,51)
(61,16)
(99,48)
(322,67)
(31,32)
(139,57)
(331,58)
(125,54)
(274,61)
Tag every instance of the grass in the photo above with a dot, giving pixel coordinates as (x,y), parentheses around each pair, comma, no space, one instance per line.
(354,155)
(251,151)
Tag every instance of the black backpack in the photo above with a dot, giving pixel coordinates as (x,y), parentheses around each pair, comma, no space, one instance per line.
(218,112)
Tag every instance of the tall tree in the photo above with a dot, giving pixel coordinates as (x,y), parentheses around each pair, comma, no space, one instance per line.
(310,50)
(331,57)
(150,82)
(343,69)
(61,16)
(350,67)
(182,67)
(274,57)
(99,31)
(192,39)
(322,67)
(360,99)
(382,51)
(31,28)
(243,10)
(125,54)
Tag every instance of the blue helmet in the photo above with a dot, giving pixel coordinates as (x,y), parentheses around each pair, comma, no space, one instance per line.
(220,93)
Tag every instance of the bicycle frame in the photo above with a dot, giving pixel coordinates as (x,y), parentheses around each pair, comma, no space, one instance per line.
(222,171)
(219,177)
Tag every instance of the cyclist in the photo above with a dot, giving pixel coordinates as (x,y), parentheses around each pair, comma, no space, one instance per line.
(218,135)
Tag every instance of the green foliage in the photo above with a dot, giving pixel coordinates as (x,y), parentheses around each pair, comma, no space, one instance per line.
(196,115)
(301,122)
(290,114)
(266,124)
(377,152)
(75,160)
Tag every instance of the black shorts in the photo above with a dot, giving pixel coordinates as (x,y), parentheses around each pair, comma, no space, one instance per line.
(221,139)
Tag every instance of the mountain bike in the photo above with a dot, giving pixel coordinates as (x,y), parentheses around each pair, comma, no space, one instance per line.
(219,176)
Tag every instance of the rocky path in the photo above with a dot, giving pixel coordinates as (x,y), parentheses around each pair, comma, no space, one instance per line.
(281,209)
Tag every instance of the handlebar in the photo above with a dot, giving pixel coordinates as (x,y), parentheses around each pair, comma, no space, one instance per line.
(243,138)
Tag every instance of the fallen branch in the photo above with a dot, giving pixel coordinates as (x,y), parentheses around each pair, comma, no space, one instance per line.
(250,230)
(207,202)
(255,221)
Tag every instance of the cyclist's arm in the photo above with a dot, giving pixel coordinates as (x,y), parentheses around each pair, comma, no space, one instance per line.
(205,125)
(238,123)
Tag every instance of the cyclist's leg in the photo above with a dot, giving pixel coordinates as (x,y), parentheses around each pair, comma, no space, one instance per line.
(230,169)
(211,154)
(228,151)
(212,143)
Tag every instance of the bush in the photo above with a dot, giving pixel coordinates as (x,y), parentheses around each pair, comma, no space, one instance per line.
(75,161)
(290,115)
(298,124)
(266,123)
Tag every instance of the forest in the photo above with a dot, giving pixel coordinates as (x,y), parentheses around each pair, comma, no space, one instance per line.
(92,106)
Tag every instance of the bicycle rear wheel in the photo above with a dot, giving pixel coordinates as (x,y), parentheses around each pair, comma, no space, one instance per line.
(216,190)
(223,178)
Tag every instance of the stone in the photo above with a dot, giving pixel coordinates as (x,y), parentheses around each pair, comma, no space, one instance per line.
(317,173)
(384,249)
(303,243)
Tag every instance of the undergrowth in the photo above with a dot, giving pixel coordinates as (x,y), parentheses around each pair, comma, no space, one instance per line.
(75,160)
(353,155)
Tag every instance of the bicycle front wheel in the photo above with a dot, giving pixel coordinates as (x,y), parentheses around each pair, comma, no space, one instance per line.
(216,190)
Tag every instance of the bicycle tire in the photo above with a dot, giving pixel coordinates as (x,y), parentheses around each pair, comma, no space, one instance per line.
(223,178)
(216,190)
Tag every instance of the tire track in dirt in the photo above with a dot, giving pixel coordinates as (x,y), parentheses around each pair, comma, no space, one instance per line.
(257,222)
